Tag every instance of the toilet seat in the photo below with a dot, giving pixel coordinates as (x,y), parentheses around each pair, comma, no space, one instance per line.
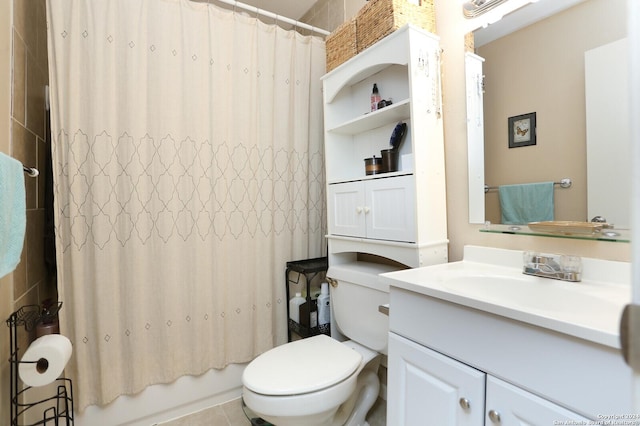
(303,366)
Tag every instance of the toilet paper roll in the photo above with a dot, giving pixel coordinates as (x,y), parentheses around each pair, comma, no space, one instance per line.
(46,358)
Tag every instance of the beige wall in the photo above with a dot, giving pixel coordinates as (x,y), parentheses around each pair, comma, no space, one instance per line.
(451,29)
(541,68)
(450,26)
(23,76)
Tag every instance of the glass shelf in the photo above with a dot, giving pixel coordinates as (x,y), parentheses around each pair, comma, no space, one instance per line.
(608,234)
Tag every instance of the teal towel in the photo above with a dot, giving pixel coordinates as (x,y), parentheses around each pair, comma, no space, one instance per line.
(13,215)
(529,202)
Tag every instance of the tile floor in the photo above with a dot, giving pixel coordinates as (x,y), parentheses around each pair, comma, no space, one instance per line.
(231,414)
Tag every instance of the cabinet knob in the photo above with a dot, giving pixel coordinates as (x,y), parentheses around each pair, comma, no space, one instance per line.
(464,403)
(494,416)
(367,210)
(358,209)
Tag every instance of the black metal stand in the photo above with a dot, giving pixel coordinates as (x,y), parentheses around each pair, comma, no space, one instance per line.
(57,409)
(308,269)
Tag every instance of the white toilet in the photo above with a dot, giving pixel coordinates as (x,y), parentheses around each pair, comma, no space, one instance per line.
(319,380)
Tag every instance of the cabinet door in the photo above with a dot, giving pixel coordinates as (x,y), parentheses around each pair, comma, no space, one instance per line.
(390,209)
(345,204)
(510,405)
(428,388)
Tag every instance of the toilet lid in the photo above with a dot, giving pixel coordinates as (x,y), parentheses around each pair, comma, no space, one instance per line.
(302,366)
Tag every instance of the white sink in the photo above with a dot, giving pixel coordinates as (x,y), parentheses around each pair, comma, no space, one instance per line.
(540,294)
(492,280)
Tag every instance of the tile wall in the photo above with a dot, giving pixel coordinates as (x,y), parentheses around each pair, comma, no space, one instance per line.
(6,283)
(24,135)
(329,14)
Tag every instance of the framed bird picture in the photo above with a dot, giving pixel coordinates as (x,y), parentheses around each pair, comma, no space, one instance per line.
(522,130)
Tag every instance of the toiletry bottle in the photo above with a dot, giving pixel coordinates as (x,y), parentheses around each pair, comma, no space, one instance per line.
(375,98)
(309,313)
(294,307)
(324,308)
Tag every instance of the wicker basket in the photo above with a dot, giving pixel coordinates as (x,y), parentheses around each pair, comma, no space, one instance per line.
(379,18)
(469,42)
(341,44)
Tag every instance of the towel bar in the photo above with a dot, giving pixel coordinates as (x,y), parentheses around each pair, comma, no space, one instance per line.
(31,171)
(564,183)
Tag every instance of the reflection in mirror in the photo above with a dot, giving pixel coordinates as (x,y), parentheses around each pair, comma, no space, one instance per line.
(541,68)
(608,138)
(474,78)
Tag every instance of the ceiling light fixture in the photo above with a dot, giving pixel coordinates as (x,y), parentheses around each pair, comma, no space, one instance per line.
(475,8)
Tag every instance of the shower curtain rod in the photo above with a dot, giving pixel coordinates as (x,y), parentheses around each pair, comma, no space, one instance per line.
(275,16)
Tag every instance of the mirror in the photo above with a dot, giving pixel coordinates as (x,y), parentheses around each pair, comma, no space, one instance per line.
(540,67)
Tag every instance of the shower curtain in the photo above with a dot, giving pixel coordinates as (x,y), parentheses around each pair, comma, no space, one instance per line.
(188,168)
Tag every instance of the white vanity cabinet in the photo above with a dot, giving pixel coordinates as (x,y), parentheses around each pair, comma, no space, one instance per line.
(531,375)
(401,214)
(543,351)
(429,388)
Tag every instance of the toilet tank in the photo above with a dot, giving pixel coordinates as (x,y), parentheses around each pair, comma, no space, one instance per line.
(355,300)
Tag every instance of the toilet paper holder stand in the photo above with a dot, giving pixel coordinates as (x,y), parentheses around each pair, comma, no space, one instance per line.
(58,406)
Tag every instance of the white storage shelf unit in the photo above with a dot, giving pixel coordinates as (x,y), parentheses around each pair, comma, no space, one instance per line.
(358,133)
(406,68)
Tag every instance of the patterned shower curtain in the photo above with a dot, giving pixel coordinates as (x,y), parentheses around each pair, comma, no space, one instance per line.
(188,168)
